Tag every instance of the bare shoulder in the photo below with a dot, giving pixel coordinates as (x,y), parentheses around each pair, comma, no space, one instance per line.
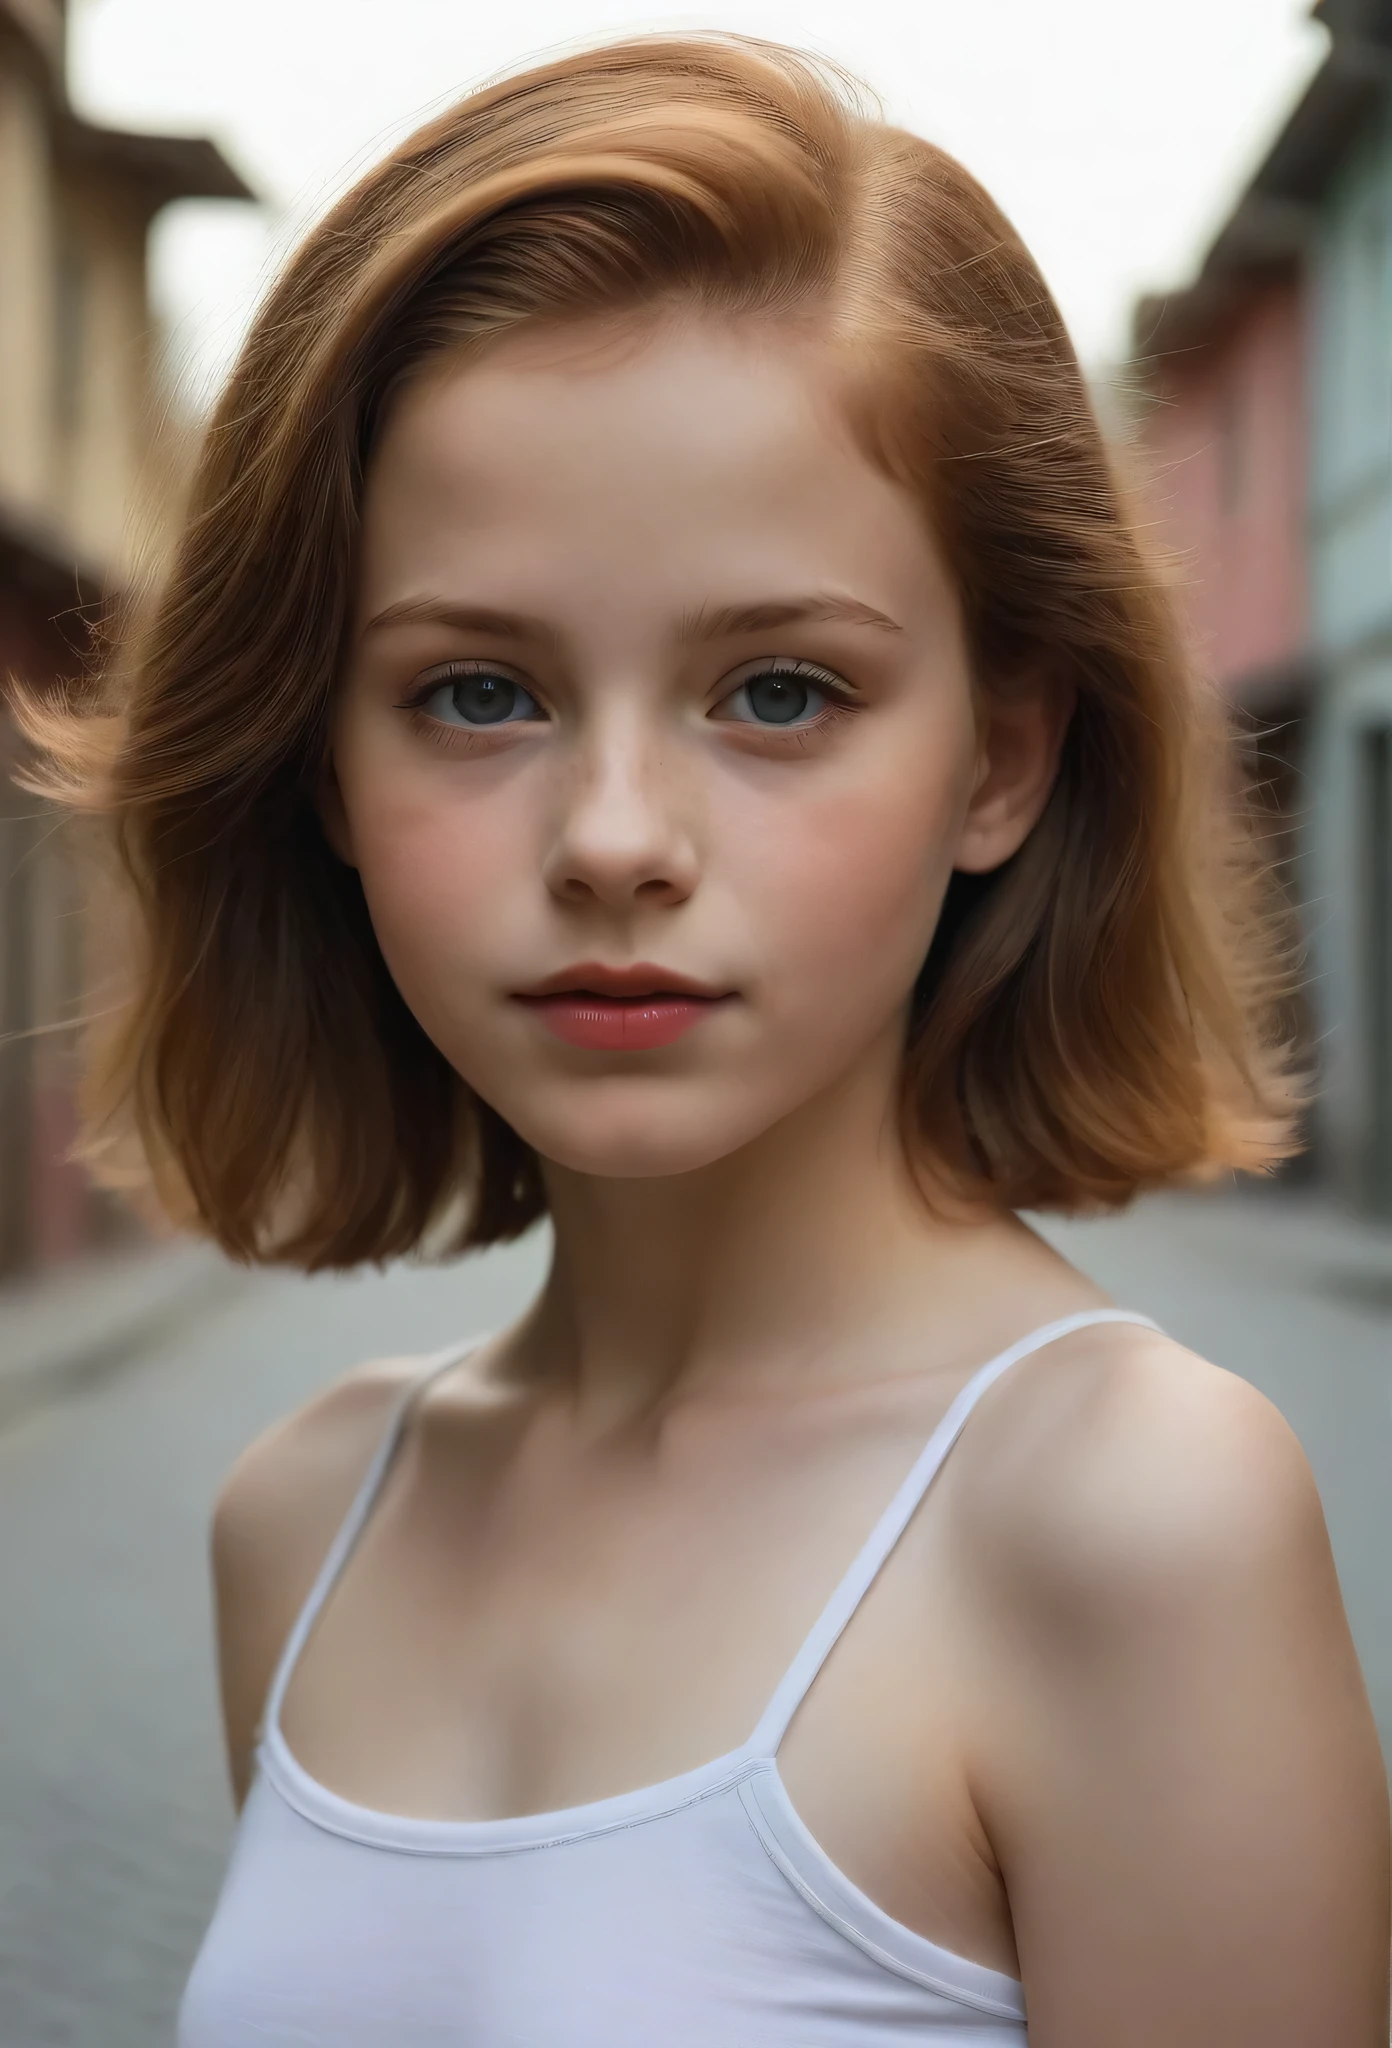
(289,1490)
(275,1519)
(1170,1747)
(1125,1467)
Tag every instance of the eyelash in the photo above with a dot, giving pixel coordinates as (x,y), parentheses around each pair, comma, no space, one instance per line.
(450,739)
(842,702)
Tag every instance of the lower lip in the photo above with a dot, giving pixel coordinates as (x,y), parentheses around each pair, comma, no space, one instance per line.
(619,1024)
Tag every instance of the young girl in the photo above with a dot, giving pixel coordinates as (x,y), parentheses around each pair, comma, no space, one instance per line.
(660,718)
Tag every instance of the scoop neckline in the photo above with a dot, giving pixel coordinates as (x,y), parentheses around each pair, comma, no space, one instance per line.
(748,1771)
(379,1828)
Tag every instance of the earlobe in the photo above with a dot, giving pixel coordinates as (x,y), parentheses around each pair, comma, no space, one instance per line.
(333,817)
(1017,766)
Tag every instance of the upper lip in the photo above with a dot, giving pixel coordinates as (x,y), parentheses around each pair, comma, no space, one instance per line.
(592,977)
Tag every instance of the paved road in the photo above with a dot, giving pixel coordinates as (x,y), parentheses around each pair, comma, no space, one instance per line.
(113,1813)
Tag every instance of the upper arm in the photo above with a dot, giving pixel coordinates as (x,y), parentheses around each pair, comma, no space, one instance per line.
(1182,1779)
(276,1517)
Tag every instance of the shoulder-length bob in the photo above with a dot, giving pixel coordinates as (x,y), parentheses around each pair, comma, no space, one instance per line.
(1096,1017)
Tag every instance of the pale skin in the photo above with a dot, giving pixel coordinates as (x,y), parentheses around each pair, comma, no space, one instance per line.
(1100,1724)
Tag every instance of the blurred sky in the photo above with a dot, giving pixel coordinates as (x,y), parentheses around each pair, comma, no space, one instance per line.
(1114,132)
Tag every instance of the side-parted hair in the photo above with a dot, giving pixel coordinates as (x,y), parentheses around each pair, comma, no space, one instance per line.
(1097,1017)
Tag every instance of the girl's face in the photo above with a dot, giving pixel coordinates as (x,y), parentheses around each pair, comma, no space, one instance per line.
(656,744)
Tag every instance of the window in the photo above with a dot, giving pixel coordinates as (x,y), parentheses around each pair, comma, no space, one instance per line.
(1234,453)
(69,310)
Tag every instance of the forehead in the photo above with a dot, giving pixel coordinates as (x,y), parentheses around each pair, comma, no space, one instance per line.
(696,452)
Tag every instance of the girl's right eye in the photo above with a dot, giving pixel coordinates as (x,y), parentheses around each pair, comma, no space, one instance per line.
(476,699)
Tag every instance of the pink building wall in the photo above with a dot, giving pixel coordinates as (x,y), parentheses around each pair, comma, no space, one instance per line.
(1226,448)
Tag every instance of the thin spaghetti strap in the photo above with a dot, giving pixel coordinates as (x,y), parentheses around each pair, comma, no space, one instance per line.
(352,1525)
(792,1690)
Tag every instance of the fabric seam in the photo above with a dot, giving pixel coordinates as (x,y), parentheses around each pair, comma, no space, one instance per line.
(346,1833)
(979,2001)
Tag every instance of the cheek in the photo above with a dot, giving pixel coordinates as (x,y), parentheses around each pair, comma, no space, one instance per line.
(438,875)
(849,885)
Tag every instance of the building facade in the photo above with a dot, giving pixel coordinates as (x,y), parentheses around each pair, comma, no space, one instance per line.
(1225,433)
(87,466)
(1351,584)
(1224,430)
(1267,424)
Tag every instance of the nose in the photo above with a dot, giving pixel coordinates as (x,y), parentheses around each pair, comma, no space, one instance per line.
(622,835)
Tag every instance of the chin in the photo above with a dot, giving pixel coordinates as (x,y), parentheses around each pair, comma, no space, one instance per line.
(618,1140)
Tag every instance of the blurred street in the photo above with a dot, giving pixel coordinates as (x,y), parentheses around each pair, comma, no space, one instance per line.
(113,1812)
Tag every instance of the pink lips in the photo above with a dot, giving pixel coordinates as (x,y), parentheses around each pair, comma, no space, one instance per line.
(631,1009)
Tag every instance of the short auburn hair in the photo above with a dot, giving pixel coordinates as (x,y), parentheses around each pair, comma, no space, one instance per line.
(1098,1016)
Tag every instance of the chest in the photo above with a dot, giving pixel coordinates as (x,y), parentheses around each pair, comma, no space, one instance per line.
(571,1635)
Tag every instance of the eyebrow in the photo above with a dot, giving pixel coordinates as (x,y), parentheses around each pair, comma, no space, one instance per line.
(728,622)
(465,618)
(724,622)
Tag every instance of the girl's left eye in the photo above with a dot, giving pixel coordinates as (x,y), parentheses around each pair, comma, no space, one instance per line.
(476,699)
(779,696)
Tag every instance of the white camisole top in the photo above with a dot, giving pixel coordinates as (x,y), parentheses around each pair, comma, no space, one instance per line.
(698,1913)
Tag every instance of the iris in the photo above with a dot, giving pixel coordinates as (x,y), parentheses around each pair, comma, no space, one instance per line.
(484,700)
(778,699)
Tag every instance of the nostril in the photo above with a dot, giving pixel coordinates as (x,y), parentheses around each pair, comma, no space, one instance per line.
(614,867)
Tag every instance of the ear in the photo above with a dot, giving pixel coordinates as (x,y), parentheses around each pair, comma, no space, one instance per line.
(333,815)
(1023,725)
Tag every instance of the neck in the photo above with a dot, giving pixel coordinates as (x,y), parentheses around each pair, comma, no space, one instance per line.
(801,1259)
